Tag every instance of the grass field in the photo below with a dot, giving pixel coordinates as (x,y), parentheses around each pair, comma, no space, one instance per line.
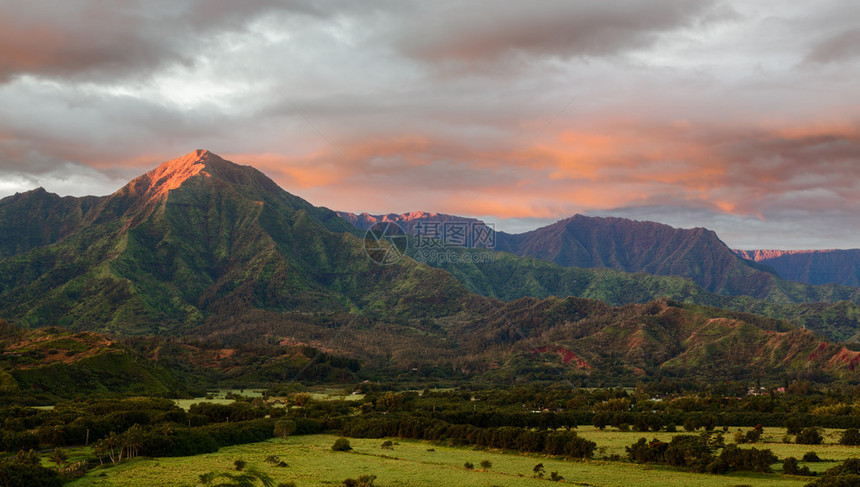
(313,463)
(611,441)
(219,397)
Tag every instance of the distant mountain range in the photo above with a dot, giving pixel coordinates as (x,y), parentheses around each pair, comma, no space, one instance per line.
(211,250)
(812,266)
(654,248)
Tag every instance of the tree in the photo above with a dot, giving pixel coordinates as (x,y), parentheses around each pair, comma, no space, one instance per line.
(691,423)
(285,428)
(793,425)
(752,436)
(751,460)
(110,446)
(709,422)
(300,399)
(131,440)
(486,464)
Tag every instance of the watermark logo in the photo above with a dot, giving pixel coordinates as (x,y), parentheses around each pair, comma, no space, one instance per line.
(466,234)
(385,243)
(454,242)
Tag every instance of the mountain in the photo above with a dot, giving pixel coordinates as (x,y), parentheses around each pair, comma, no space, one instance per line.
(628,246)
(200,238)
(811,266)
(635,246)
(260,283)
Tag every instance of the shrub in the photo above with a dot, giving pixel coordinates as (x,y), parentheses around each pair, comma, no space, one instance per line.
(468,465)
(809,436)
(811,456)
(362,481)
(850,437)
(240,464)
(644,452)
(554,476)
(848,473)
(73,470)
(753,436)
(341,444)
(789,467)
(752,460)
(486,464)
(387,445)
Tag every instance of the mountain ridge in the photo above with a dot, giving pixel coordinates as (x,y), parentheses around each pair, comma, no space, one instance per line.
(826,266)
(620,244)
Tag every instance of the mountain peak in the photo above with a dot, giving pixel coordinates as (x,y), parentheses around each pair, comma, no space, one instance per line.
(174,173)
(171,174)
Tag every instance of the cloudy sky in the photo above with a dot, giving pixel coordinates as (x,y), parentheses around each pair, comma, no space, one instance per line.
(743,117)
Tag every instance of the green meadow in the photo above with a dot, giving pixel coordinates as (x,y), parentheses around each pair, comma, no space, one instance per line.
(311,462)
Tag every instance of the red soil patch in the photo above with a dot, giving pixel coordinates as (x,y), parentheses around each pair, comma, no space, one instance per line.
(568,357)
(845,358)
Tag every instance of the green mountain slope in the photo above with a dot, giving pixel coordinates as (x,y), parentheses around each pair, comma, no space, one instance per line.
(202,237)
(541,339)
(831,310)
(57,217)
(53,362)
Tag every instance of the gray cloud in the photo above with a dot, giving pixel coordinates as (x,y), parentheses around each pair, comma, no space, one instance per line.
(839,47)
(93,39)
(733,113)
(475,31)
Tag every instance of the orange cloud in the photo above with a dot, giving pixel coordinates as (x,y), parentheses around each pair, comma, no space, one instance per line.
(730,170)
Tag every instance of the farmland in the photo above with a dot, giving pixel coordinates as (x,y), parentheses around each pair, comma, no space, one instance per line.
(312,463)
